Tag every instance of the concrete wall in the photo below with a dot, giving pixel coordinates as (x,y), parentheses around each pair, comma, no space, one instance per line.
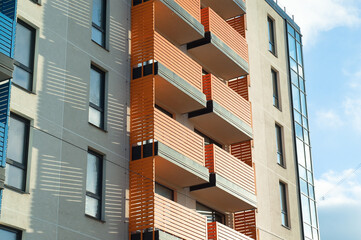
(53,206)
(265,115)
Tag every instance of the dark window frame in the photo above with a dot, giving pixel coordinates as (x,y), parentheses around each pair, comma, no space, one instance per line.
(100,108)
(284,204)
(271,35)
(165,187)
(100,182)
(279,145)
(275,88)
(18,233)
(101,29)
(208,139)
(28,69)
(15,163)
(169,114)
(214,213)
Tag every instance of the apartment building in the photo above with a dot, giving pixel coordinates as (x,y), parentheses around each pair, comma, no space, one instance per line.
(153,119)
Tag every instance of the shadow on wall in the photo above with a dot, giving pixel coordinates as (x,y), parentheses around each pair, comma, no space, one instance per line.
(57,168)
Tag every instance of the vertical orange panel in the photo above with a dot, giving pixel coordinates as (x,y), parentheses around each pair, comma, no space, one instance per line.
(141,194)
(142,39)
(209,157)
(243,151)
(245,223)
(207,86)
(240,86)
(239,24)
(142,102)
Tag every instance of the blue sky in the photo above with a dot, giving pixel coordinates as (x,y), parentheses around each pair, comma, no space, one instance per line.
(332,53)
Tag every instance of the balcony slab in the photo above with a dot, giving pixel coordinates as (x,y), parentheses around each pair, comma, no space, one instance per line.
(226,8)
(217,57)
(176,23)
(220,124)
(224,195)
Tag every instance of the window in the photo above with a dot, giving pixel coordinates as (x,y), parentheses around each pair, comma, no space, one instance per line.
(24,55)
(211,214)
(98,22)
(284,209)
(207,140)
(279,145)
(164,191)
(276,102)
(94,179)
(7,233)
(271,36)
(169,114)
(17,153)
(96,97)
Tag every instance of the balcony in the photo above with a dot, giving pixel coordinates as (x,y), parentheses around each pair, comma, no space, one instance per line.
(178,20)
(228,117)
(218,231)
(150,211)
(178,78)
(7,39)
(223,51)
(232,184)
(178,151)
(226,8)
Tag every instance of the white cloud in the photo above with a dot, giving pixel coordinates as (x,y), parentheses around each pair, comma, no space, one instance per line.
(328,119)
(339,206)
(316,16)
(339,189)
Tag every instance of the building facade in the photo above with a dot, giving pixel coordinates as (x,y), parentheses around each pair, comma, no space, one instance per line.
(153,119)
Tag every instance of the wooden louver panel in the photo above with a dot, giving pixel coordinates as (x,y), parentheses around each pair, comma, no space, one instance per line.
(245,223)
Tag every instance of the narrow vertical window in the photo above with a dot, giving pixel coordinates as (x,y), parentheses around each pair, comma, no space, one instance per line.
(94,179)
(7,233)
(96,97)
(24,55)
(98,22)
(279,145)
(17,153)
(271,36)
(276,100)
(284,209)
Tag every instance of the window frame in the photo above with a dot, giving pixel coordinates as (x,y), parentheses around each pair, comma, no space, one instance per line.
(18,232)
(279,145)
(101,29)
(15,163)
(100,179)
(164,187)
(271,35)
(276,89)
(214,213)
(284,199)
(25,68)
(101,108)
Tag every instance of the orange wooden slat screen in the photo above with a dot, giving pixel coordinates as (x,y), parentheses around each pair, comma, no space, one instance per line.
(228,98)
(142,102)
(177,61)
(141,194)
(193,7)
(142,38)
(212,231)
(180,138)
(239,24)
(240,86)
(178,220)
(227,233)
(245,223)
(232,169)
(215,24)
(243,151)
